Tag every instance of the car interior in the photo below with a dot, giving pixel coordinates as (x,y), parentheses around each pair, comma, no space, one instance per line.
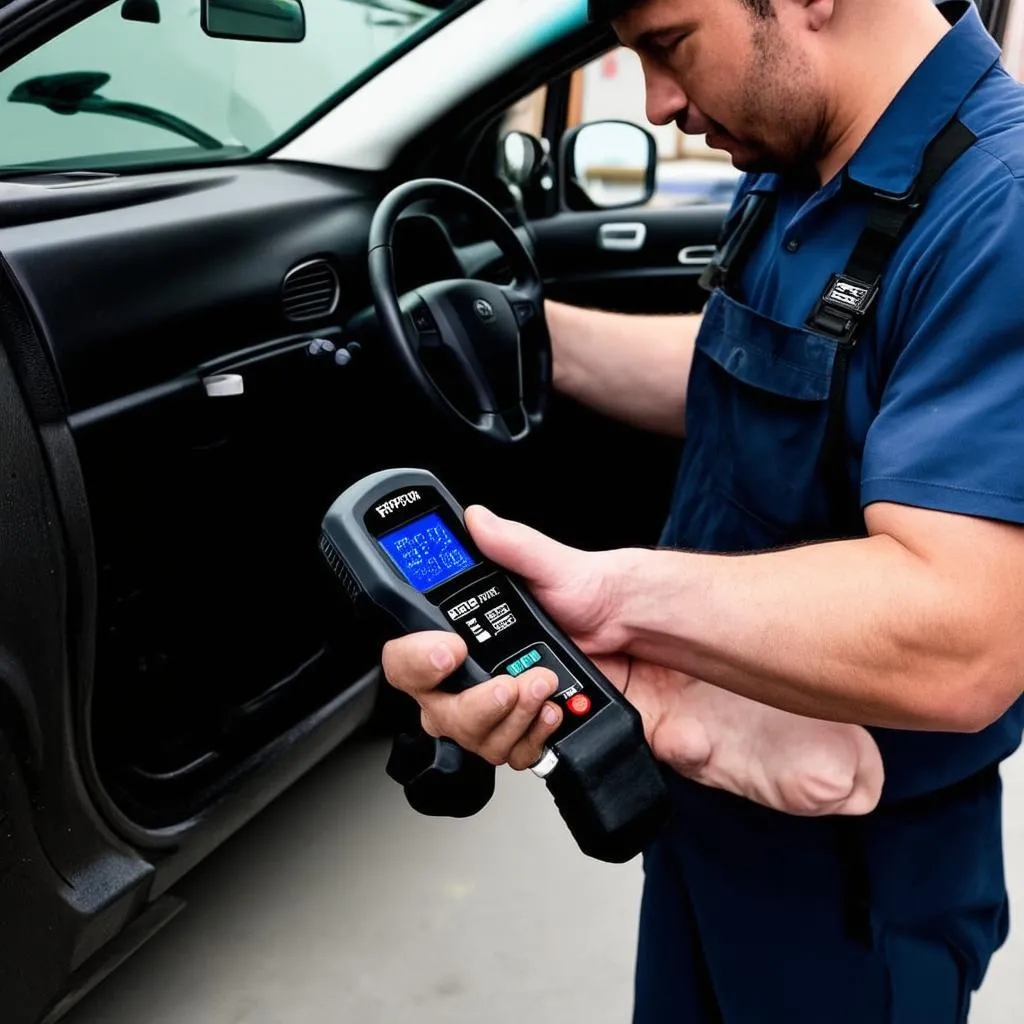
(202,343)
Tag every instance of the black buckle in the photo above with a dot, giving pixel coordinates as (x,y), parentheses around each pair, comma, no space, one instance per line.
(713,275)
(911,199)
(732,243)
(842,307)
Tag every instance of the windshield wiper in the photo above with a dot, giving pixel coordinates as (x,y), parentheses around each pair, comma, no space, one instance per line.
(74,92)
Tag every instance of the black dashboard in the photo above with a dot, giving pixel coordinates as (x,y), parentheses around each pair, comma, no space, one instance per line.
(137,281)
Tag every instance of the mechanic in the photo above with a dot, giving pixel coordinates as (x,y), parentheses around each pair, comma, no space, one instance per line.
(845,538)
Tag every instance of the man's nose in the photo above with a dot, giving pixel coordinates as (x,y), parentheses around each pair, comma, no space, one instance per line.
(666,100)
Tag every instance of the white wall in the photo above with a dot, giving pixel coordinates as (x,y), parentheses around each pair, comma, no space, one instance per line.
(613,87)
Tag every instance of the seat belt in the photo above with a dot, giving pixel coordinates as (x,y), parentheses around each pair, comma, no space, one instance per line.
(848,298)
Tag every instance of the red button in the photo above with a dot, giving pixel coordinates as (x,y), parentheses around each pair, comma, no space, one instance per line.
(580,704)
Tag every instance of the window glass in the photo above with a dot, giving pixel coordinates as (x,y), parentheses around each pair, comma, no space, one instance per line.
(527,115)
(112,92)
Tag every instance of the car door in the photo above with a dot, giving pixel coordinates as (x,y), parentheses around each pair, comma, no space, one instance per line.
(174,422)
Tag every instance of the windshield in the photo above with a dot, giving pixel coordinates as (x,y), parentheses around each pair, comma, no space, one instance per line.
(117,92)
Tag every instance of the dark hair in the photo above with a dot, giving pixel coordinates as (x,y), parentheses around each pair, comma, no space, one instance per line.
(605,10)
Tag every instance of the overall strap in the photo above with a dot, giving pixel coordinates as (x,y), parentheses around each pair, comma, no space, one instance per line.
(848,297)
(840,313)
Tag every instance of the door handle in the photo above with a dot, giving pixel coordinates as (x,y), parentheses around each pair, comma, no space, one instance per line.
(622,237)
(696,255)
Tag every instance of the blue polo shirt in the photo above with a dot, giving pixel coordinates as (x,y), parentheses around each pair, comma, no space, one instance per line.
(935,402)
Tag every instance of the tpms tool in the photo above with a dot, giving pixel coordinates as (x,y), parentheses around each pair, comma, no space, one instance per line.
(397,542)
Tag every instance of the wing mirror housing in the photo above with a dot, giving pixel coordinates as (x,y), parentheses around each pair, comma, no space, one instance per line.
(263,21)
(522,157)
(607,165)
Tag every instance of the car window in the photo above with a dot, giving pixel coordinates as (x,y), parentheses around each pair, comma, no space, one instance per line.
(611,87)
(114,92)
(527,114)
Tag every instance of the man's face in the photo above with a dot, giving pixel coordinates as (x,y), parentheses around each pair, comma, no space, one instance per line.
(744,82)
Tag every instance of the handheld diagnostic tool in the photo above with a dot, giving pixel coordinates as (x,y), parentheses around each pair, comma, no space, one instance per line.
(397,542)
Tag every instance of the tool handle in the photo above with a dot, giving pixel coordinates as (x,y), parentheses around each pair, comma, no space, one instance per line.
(609,790)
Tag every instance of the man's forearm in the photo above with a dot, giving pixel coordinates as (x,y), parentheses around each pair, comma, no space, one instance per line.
(860,631)
(632,368)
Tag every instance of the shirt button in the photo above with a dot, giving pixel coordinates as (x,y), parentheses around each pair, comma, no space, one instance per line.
(792,245)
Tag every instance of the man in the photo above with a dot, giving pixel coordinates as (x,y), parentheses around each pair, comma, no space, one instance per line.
(847,520)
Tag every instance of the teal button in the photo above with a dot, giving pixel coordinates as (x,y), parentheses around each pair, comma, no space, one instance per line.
(521,664)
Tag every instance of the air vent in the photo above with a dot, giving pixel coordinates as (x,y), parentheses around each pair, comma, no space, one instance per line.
(309,291)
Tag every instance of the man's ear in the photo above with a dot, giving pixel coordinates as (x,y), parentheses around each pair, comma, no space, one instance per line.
(805,15)
(818,13)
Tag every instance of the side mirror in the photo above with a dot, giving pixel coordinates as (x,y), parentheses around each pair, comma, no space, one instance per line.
(521,158)
(265,21)
(607,165)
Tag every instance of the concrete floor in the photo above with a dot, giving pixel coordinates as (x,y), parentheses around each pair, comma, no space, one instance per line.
(339,904)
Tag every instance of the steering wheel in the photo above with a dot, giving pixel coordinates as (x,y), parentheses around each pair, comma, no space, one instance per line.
(479,352)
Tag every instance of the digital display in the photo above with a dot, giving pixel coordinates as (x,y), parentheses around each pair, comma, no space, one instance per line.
(426,552)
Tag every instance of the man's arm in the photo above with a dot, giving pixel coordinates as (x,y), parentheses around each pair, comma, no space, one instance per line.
(915,627)
(918,626)
(632,368)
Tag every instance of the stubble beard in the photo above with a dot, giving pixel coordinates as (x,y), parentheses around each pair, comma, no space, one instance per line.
(780,104)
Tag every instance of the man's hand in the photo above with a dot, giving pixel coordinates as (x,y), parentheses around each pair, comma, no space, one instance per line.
(504,720)
(578,589)
(773,757)
(508,720)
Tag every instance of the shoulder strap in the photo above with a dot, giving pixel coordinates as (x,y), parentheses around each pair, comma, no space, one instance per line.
(848,297)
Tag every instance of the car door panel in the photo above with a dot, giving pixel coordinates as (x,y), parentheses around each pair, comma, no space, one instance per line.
(209,645)
(641,261)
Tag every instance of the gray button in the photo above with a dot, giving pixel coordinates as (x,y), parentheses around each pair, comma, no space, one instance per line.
(792,245)
(318,345)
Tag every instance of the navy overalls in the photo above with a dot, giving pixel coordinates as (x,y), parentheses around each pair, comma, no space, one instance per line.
(750,916)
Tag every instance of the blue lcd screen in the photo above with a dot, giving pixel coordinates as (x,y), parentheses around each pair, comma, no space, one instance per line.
(426,552)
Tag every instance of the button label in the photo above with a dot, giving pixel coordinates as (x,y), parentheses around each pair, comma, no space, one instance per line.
(497,612)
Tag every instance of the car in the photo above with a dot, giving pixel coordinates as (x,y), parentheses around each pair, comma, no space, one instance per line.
(226,230)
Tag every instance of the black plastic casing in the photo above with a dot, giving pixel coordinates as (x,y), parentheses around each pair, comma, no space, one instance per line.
(606,783)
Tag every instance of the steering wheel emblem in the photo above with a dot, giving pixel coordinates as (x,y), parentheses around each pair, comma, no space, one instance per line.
(484,310)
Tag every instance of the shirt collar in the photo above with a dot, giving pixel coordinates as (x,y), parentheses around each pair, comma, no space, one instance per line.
(890,158)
